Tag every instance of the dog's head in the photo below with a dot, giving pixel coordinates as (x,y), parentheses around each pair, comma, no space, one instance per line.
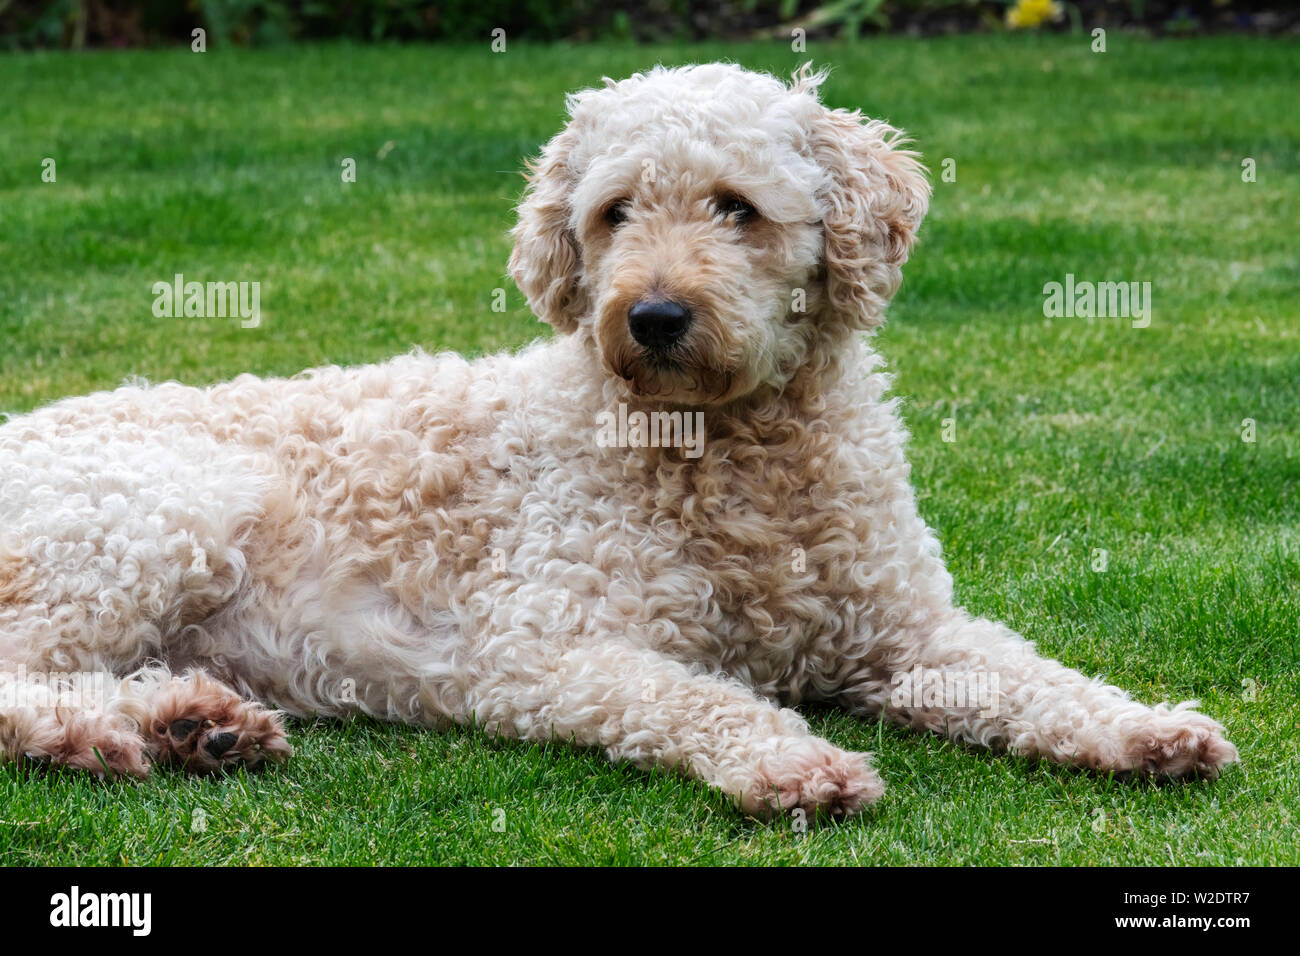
(709,227)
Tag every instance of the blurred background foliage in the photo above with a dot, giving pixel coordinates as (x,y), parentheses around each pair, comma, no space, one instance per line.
(75,24)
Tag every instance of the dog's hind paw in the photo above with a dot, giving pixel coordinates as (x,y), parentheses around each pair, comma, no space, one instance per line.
(105,745)
(203,725)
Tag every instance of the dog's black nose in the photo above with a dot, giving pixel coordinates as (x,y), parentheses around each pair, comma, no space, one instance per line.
(218,744)
(658,323)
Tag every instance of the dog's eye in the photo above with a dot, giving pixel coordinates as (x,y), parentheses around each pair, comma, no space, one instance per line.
(616,214)
(734,206)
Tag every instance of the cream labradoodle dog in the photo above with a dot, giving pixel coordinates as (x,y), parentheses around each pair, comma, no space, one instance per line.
(647,534)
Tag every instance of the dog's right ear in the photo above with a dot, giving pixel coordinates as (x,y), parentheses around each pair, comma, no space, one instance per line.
(545,261)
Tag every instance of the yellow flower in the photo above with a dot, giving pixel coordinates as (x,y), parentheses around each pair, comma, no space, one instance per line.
(1033,13)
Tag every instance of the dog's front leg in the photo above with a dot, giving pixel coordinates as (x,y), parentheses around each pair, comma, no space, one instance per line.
(979,682)
(585,683)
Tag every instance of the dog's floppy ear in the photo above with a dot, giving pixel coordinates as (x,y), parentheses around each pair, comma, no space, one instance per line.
(875,198)
(545,260)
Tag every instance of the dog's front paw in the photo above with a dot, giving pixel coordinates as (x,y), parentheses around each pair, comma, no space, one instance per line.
(1176,742)
(813,775)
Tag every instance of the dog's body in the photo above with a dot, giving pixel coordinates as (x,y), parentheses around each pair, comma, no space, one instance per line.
(431,539)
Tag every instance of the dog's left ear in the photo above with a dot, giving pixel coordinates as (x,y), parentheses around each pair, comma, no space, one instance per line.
(875,198)
(545,261)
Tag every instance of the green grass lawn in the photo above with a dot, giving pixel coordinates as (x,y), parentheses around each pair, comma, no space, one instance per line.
(1073,435)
